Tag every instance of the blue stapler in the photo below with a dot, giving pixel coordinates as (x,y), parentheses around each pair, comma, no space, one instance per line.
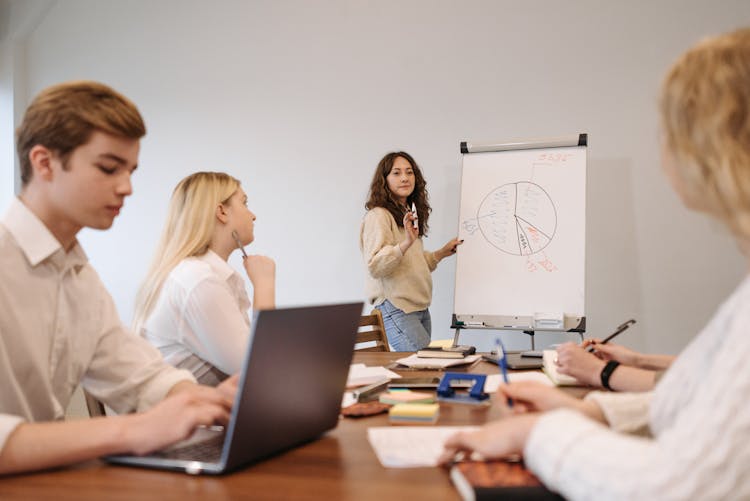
(476,396)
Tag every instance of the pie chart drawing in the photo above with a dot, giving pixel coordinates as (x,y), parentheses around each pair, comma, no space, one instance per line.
(518,218)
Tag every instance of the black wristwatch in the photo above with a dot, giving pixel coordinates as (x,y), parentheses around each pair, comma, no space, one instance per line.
(607,373)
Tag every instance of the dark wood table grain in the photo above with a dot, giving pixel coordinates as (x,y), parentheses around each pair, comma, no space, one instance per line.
(340,465)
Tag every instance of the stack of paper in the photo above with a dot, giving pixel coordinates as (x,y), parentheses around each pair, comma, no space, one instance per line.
(410,446)
(361,375)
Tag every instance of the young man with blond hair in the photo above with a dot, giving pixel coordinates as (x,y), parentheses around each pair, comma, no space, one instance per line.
(78,147)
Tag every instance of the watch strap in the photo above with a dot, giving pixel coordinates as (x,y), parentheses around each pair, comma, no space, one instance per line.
(607,371)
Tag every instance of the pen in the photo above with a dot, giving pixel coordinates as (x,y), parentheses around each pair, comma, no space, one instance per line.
(239,244)
(619,330)
(503,365)
(414,211)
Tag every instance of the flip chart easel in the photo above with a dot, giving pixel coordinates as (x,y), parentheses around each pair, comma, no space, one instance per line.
(523,221)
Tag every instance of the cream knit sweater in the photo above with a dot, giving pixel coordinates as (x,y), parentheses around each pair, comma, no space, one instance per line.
(697,418)
(403,279)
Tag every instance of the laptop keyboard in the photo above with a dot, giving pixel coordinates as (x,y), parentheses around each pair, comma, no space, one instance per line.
(207,450)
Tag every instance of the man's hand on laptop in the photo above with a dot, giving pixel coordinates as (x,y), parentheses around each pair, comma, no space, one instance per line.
(228,387)
(187,406)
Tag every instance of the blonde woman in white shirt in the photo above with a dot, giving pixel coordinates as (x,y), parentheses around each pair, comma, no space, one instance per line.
(192,305)
(688,439)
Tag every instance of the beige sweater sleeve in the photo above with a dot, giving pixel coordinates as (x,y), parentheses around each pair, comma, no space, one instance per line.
(431,260)
(380,248)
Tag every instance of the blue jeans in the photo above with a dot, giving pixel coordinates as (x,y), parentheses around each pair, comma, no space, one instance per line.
(406,331)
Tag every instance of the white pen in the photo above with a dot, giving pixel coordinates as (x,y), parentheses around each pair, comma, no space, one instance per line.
(414,211)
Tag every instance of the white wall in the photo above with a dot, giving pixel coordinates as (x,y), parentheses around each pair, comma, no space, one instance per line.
(17,21)
(7,152)
(300,99)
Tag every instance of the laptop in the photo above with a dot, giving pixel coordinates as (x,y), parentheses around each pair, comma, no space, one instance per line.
(289,392)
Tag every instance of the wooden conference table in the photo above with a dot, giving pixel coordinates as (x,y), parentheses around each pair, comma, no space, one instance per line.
(340,465)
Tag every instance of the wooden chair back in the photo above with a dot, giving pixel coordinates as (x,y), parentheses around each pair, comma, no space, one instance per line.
(95,407)
(371,329)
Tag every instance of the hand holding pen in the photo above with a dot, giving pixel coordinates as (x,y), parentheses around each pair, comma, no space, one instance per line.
(411,220)
(503,364)
(592,344)
(261,270)
(238,242)
(411,230)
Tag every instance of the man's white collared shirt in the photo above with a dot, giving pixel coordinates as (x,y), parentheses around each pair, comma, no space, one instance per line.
(59,328)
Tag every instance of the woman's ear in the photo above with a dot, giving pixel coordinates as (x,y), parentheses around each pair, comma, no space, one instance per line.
(221,213)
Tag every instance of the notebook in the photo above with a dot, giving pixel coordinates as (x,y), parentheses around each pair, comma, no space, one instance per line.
(498,479)
(550,368)
(289,391)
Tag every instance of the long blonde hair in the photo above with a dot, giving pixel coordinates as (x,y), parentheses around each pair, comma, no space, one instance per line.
(705,114)
(191,221)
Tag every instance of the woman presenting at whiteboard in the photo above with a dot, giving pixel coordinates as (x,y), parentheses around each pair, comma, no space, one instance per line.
(398,268)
